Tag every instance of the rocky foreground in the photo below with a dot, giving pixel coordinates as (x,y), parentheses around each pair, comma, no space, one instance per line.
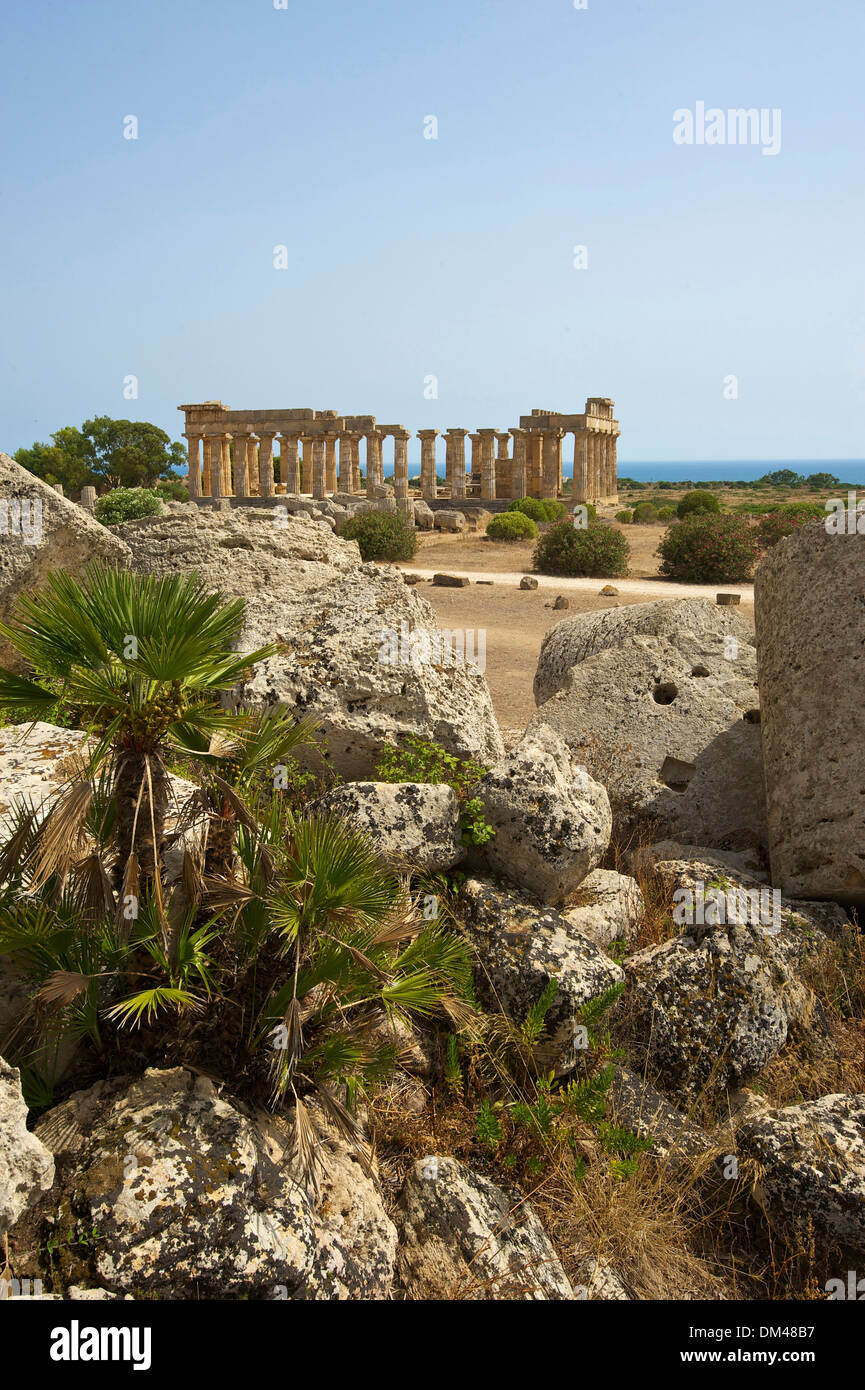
(643,780)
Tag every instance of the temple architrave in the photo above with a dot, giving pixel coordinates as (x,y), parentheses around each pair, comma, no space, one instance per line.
(231,454)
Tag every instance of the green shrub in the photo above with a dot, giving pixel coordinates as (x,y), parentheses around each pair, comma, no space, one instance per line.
(708,549)
(512,526)
(127,504)
(539,509)
(666,513)
(697,501)
(419,760)
(172,490)
(645,514)
(785,520)
(597,550)
(381,535)
(625,517)
(591,511)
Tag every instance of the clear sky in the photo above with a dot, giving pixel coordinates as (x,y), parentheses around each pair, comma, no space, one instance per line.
(409,258)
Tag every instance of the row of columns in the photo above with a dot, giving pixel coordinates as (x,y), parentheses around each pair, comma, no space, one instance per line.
(242,464)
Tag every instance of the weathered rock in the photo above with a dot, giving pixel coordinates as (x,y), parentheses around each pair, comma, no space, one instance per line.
(552,822)
(692,625)
(40,531)
(611,908)
(561,602)
(527,582)
(713,1006)
(410,823)
(521,947)
(351,636)
(673,749)
(462,1237)
(811,1169)
(26,1166)
(634,1104)
(751,862)
(446,520)
(597,1282)
(193,1198)
(809,603)
(35,761)
(450,581)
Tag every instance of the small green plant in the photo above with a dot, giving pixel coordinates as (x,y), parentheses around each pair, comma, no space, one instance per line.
(419,760)
(381,535)
(707,548)
(697,501)
(666,513)
(539,509)
(512,526)
(127,504)
(597,550)
(625,517)
(645,514)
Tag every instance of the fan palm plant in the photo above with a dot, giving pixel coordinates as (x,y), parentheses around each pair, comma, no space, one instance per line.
(142,661)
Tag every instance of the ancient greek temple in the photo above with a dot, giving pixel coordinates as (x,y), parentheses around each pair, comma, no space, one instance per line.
(231,454)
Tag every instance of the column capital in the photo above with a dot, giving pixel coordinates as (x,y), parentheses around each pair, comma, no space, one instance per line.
(427,434)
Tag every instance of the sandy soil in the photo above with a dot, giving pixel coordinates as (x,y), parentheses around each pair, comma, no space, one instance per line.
(515,620)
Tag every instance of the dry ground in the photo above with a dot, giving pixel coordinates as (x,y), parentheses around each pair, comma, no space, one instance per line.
(515,620)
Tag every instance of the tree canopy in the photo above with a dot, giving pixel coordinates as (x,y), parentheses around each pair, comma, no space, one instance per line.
(105,453)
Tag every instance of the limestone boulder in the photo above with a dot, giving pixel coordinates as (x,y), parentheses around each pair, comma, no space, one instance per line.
(810,616)
(520,947)
(42,531)
(194,1197)
(634,1104)
(611,908)
(410,824)
(696,627)
(26,1165)
(713,1006)
(677,751)
(810,1170)
(552,821)
(446,520)
(358,651)
(462,1237)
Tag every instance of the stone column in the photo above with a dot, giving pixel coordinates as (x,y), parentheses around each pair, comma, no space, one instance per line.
(355,463)
(374,468)
(552,463)
(318,467)
(400,463)
(207,443)
(215,452)
(503,465)
(253,481)
(289,470)
(533,464)
(428,463)
(455,445)
(225,459)
(87,500)
(330,463)
(308,465)
(488,464)
(194,478)
(580,489)
(265,465)
(345,478)
(518,469)
(241,481)
(614,468)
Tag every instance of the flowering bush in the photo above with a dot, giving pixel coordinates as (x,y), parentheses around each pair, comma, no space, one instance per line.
(127,504)
(700,500)
(597,550)
(706,548)
(787,519)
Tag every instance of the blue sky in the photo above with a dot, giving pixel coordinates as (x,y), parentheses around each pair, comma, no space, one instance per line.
(453,258)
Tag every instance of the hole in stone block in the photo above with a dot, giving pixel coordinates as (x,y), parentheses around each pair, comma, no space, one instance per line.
(665,693)
(675,773)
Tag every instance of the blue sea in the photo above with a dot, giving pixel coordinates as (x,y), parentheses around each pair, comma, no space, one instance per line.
(848,471)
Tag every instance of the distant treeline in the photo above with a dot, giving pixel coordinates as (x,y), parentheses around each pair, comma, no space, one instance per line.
(782,477)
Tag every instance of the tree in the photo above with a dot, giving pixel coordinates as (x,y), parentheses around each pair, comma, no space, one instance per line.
(116,453)
(783,477)
(822,480)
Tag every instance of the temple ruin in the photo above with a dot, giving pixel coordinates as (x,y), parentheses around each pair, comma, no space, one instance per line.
(231,454)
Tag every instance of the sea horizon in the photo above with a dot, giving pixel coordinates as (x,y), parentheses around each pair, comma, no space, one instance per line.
(850,472)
